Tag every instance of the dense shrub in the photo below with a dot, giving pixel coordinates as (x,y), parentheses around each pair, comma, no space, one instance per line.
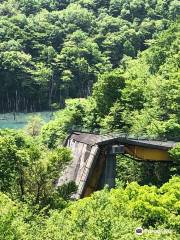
(116,214)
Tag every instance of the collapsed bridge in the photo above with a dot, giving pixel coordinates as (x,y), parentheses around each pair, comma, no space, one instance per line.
(94,158)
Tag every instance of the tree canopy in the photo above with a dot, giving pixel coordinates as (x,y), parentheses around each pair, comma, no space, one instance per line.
(53,50)
(107,66)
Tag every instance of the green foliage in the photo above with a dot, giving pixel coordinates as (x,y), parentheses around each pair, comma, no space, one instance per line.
(107,90)
(150,173)
(106,214)
(34,126)
(175,153)
(147,105)
(127,99)
(12,215)
(55,132)
(53,50)
(158,112)
(29,170)
(116,214)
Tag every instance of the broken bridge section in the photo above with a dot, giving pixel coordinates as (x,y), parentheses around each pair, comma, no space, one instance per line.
(94,159)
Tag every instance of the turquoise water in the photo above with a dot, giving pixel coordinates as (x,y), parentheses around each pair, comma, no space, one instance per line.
(21,119)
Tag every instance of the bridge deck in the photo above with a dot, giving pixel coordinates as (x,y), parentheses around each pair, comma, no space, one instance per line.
(92,139)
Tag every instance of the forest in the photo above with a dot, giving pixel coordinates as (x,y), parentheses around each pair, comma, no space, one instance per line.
(51,50)
(107,66)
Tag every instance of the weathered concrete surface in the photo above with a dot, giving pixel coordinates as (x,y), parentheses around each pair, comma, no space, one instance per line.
(93,165)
